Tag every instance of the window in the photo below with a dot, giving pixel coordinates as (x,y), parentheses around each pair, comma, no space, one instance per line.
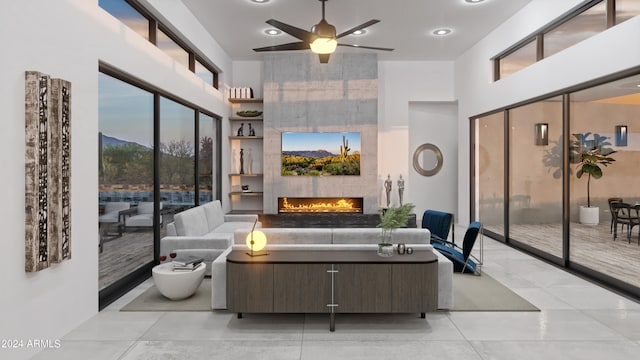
(171,48)
(595,114)
(580,23)
(578,28)
(128,156)
(626,9)
(535,176)
(134,16)
(177,154)
(551,212)
(205,74)
(125,123)
(489,172)
(207,158)
(124,12)
(519,59)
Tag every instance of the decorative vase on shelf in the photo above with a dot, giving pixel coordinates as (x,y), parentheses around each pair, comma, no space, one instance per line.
(385,246)
(390,219)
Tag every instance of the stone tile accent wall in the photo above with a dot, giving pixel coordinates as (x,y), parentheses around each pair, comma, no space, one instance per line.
(302,95)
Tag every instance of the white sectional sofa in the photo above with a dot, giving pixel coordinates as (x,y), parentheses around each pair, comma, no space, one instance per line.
(204,231)
(327,239)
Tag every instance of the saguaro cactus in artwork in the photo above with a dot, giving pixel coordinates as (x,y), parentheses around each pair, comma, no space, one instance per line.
(344,149)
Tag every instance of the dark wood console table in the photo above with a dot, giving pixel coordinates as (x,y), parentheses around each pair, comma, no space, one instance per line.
(332,281)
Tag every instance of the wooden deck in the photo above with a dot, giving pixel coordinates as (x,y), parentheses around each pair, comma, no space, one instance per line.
(123,255)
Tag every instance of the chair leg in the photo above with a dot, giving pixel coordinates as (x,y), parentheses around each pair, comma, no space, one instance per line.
(611,227)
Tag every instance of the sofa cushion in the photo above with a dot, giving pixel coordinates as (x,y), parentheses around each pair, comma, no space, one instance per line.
(373,235)
(214,214)
(171,229)
(232,226)
(288,235)
(192,222)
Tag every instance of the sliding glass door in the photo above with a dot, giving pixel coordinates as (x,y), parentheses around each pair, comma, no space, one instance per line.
(125,139)
(157,156)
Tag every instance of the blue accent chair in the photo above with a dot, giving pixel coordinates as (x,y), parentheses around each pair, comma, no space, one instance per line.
(439,223)
(462,261)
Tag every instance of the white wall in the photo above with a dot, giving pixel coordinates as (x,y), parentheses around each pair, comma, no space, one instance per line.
(66,39)
(435,123)
(249,73)
(400,83)
(603,54)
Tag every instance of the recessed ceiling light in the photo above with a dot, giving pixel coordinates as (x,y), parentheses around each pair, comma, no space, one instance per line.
(473,1)
(260,1)
(441,32)
(272,32)
(359,32)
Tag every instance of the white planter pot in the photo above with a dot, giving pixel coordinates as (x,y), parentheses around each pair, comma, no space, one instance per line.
(589,215)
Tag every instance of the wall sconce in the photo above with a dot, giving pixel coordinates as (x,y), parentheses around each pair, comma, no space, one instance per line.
(256,241)
(541,134)
(621,135)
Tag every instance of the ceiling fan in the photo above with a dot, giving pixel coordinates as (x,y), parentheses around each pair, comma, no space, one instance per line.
(322,38)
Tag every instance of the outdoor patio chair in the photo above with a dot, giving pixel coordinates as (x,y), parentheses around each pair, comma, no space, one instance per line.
(142,215)
(113,215)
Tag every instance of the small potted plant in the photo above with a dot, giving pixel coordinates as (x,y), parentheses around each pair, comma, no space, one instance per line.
(390,219)
(591,159)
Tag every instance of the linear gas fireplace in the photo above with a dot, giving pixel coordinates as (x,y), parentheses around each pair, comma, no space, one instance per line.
(319,205)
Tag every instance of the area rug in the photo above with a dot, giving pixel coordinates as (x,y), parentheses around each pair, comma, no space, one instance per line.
(152,300)
(484,293)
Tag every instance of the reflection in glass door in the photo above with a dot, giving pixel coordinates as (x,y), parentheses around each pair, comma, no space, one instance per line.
(206,158)
(535,175)
(125,179)
(177,157)
(489,172)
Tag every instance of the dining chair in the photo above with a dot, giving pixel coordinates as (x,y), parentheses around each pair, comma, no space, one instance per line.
(612,200)
(634,219)
(621,215)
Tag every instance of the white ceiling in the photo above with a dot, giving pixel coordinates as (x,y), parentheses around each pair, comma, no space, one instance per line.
(406,25)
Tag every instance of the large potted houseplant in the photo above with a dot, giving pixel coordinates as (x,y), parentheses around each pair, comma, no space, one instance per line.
(593,157)
(391,219)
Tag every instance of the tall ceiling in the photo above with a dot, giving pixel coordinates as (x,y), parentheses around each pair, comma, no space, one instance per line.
(406,25)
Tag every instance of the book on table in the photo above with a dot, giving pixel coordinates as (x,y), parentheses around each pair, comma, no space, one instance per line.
(187,268)
(186,260)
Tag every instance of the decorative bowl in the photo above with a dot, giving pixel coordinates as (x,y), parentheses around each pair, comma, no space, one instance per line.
(249,113)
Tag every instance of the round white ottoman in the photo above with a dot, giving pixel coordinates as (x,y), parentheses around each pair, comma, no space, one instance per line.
(177,285)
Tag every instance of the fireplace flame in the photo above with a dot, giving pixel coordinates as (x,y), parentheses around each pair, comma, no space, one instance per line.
(341,205)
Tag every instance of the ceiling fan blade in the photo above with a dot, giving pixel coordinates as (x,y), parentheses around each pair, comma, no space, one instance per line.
(367,47)
(324,58)
(290,46)
(359,27)
(298,33)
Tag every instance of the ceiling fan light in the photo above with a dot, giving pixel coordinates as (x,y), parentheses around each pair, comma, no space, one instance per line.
(324,45)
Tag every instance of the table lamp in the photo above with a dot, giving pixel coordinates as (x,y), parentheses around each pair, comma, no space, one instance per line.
(256,241)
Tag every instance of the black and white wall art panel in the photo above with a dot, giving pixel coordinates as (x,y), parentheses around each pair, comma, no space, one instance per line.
(47,170)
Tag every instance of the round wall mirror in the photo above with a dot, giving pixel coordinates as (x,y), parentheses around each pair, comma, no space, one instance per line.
(427,160)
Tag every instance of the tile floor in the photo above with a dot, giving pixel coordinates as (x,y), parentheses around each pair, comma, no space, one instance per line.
(579,320)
